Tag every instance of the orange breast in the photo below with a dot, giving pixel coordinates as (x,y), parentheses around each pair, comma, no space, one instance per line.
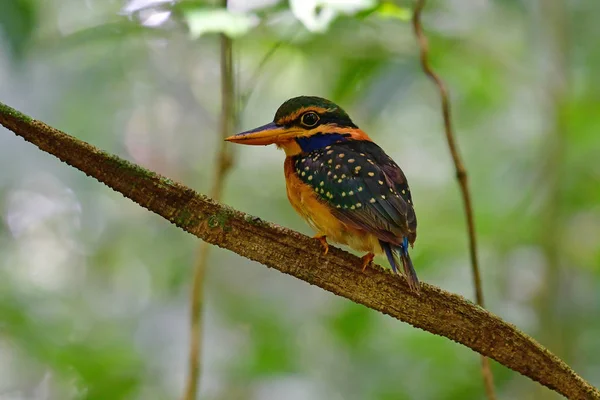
(319,216)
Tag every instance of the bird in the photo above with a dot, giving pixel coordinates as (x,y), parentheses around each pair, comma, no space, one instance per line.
(342,183)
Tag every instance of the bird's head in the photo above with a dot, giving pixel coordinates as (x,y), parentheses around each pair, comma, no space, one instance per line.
(303,124)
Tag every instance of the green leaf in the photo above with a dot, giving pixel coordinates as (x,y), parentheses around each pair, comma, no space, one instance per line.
(202,21)
(388,9)
(17,23)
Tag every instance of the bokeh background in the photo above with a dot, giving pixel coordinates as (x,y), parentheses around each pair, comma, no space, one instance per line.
(94,289)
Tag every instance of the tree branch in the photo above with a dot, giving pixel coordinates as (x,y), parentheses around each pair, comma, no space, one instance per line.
(339,272)
(461,175)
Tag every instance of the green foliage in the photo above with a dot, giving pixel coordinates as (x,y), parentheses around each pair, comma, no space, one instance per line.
(18,20)
(352,325)
(201,21)
(98,360)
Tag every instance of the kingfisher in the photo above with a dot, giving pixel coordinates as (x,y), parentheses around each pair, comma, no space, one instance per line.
(342,183)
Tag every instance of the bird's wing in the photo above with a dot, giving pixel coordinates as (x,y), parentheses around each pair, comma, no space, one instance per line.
(363,186)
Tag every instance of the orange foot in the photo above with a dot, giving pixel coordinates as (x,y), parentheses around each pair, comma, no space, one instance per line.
(367,259)
(323,239)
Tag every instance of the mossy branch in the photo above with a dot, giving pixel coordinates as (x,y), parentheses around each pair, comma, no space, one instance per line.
(339,272)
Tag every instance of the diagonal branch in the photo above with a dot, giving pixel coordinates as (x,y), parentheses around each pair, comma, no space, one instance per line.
(434,310)
(461,175)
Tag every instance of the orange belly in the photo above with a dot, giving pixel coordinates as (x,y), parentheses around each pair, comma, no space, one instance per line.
(318,215)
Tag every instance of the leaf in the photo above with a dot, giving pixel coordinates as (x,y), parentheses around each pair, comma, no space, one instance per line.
(317,15)
(17,23)
(388,9)
(201,21)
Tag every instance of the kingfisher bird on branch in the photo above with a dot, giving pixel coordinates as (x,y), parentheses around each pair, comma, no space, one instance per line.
(343,184)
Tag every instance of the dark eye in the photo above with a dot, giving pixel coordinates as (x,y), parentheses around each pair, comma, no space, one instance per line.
(309,119)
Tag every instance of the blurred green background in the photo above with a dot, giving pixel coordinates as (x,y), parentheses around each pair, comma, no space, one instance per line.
(94,289)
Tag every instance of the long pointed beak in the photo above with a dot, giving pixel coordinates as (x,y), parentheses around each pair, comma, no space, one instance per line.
(263,135)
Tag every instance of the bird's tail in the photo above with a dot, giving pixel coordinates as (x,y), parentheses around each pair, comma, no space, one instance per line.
(397,255)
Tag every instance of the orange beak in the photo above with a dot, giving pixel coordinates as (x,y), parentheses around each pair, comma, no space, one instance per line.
(264,135)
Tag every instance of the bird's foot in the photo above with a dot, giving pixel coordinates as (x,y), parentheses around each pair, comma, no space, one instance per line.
(367,259)
(323,239)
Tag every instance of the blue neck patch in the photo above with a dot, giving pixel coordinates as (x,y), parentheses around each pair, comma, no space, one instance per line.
(319,140)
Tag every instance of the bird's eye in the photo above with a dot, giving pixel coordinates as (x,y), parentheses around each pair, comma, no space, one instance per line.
(310,119)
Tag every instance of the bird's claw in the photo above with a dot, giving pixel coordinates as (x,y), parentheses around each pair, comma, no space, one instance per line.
(323,240)
(367,259)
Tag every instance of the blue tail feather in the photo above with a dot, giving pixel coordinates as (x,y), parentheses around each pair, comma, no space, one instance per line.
(390,256)
(397,255)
